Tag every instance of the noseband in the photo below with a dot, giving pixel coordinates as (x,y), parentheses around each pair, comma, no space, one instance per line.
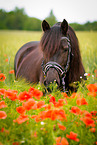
(61,72)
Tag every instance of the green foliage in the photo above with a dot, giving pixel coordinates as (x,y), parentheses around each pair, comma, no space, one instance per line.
(33,24)
(88,26)
(87,42)
(77,27)
(18,20)
(51,19)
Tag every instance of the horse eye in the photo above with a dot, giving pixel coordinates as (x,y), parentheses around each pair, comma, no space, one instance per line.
(65,48)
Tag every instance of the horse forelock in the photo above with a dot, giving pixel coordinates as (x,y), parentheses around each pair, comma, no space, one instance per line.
(50,42)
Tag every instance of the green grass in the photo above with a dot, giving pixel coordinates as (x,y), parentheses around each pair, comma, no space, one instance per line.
(88,46)
(45,131)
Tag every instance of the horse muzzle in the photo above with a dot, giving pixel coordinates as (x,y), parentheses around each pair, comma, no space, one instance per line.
(46,83)
(51,85)
(52,78)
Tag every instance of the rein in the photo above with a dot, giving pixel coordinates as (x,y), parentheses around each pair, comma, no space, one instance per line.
(61,72)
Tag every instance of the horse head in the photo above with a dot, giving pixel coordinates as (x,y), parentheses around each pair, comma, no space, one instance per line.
(56,48)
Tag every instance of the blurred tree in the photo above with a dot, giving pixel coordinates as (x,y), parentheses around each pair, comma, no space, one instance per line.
(18,20)
(15,19)
(77,27)
(3,17)
(33,24)
(51,19)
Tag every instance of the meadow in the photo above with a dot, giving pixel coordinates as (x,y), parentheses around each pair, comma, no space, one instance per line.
(29,117)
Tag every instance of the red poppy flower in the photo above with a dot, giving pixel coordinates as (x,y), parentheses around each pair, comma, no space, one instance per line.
(35,134)
(2,130)
(64,94)
(35,93)
(87,74)
(40,104)
(6,59)
(34,107)
(2,91)
(22,118)
(73,95)
(11,94)
(77,95)
(15,143)
(93,94)
(88,121)
(2,104)
(20,109)
(58,114)
(52,99)
(33,116)
(29,104)
(61,114)
(58,139)
(94,113)
(62,127)
(52,114)
(92,87)
(72,136)
(59,103)
(75,110)
(87,114)
(2,77)
(11,72)
(61,141)
(95,71)
(48,106)
(93,129)
(24,96)
(64,141)
(2,115)
(81,101)
(48,114)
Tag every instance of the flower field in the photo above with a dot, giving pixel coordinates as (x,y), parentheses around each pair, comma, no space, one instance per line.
(28,117)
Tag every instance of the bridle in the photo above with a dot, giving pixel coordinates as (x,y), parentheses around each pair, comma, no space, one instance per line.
(61,72)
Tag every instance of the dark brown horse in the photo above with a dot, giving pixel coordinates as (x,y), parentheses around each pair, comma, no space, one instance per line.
(55,58)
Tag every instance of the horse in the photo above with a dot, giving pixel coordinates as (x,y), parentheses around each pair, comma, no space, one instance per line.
(55,58)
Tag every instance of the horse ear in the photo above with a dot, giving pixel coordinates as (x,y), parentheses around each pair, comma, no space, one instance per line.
(64,27)
(45,25)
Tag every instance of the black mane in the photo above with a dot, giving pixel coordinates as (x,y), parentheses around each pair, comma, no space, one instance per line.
(50,41)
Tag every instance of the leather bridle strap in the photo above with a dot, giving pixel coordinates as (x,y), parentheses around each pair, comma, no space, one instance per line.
(61,72)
